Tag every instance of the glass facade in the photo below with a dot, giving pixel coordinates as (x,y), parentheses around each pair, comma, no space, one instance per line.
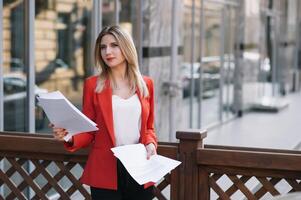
(195,92)
(62,49)
(14,70)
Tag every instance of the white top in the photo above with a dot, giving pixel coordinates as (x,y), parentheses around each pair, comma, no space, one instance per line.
(126,119)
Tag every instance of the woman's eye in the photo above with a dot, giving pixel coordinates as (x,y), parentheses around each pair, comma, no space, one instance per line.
(102,47)
(114,45)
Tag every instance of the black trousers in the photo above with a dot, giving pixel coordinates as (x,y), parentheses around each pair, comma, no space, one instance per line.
(128,188)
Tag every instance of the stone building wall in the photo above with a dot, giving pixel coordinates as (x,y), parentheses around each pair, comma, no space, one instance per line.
(6,39)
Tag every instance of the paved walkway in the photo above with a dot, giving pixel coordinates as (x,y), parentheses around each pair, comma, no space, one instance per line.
(280,130)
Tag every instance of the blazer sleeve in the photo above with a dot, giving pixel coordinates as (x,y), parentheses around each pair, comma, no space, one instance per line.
(83,140)
(150,135)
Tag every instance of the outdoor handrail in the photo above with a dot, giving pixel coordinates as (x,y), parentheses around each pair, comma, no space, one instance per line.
(201,169)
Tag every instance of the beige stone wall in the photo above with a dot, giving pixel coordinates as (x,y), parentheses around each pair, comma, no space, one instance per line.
(45,38)
(6,39)
(46,46)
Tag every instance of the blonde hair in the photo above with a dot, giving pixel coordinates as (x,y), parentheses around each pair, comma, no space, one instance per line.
(127,47)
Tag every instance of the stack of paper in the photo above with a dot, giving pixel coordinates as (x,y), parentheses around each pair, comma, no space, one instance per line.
(63,114)
(133,158)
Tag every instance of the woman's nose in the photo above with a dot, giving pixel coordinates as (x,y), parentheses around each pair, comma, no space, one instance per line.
(108,50)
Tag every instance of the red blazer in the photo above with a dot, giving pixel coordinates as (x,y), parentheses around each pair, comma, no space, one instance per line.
(101,168)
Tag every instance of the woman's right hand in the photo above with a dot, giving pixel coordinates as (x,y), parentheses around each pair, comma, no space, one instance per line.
(58,133)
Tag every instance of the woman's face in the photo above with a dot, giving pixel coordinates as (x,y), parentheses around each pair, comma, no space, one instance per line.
(111,52)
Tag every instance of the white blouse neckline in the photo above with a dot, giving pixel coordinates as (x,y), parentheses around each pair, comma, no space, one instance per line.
(119,97)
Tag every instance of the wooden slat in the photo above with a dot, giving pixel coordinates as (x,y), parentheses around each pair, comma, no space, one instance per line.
(191,179)
(73,188)
(236,148)
(27,178)
(35,173)
(12,186)
(48,186)
(242,187)
(170,151)
(164,183)
(204,188)
(174,184)
(218,190)
(216,176)
(44,156)
(262,191)
(294,184)
(252,172)
(268,186)
(73,179)
(11,170)
(231,190)
(158,194)
(32,142)
(248,159)
(50,179)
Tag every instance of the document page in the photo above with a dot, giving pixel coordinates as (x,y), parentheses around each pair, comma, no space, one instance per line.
(62,113)
(133,157)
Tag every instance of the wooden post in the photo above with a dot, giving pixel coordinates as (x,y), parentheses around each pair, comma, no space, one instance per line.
(190,141)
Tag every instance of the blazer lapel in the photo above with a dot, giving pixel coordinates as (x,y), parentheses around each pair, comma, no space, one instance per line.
(105,102)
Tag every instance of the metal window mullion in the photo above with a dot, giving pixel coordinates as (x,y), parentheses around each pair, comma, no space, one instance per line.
(192,86)
(1,87)
(116,11)
(227,76)
(202,39)
(173,66)
(140,33)
(261,51)
(237,104)
(1,70)
(96,27)
(29,62)
(274,54)
(222,61)
(297,47)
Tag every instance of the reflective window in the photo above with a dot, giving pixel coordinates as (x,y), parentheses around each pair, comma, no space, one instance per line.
(13,65)
(62,50)
(108,12)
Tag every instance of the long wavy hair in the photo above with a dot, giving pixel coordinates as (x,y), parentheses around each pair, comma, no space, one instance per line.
(126,44)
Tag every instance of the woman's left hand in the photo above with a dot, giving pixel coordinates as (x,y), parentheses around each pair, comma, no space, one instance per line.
(150,150)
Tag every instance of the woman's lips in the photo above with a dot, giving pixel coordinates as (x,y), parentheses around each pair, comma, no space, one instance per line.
(109,59)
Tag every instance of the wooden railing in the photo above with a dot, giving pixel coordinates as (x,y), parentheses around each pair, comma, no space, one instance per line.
(39,163)
(34,166)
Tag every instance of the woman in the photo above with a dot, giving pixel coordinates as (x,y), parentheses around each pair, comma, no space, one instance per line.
(121,101)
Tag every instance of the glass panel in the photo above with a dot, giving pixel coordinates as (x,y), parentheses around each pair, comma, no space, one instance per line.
(196,64)
(108,12)
(184,68)
(258,59)
(189,66)
(128,17)
(156,58)
(13,66)
(63,50)
(211,64)
(229,63)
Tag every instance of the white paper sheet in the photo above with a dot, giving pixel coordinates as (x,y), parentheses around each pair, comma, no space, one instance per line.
(133,157)
(62,113)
